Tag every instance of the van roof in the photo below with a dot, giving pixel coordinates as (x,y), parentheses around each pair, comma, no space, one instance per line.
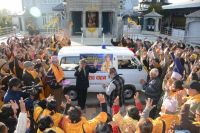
(76,50)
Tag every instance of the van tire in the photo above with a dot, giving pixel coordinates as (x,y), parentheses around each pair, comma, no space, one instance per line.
(129,91)
(71,92)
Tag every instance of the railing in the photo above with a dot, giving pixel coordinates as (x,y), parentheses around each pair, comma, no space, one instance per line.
(192,40)
(6,31)
(48,30)
(178,33)
(166,31)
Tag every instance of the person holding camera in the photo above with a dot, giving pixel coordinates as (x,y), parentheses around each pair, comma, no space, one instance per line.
(30,77)
(14,91)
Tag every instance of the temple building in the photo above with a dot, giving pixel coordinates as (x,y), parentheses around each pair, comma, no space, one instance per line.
(92,17)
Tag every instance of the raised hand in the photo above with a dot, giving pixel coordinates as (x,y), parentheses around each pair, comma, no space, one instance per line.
(101,98)
(68,99)
(22,105)
(50,98)
(14,106)
(136,96)
(116,101)
(149,104)
(63,105)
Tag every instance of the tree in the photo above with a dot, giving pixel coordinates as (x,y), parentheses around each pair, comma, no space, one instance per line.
(5,18)
(155,6)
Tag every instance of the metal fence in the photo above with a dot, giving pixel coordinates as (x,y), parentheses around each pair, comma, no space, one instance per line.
(48,31)
(6,31)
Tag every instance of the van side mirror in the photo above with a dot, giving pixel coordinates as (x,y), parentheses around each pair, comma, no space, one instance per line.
(140,67)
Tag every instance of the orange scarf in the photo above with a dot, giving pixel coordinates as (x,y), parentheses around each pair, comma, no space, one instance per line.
(195,99)
(58,72)
(33,73)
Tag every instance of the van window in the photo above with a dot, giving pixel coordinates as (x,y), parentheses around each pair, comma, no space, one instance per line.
(127,63)
(104,61)
(69,63)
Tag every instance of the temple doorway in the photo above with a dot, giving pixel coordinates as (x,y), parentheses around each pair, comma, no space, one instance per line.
(77,22)
(107,22)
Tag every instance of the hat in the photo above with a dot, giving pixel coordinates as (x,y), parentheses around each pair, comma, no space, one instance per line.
(2,62)
(195,85)
(170,105)
(28,64)
(193,56)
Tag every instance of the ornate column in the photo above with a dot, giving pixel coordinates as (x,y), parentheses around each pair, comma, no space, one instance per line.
(83,22)
(100,19)
(69,22)
(100,29)
(145,24)
(157,25)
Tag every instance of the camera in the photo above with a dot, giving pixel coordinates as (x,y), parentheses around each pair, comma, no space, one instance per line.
(33,90)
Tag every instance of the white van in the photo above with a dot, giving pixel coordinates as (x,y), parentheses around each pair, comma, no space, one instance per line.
(121,58)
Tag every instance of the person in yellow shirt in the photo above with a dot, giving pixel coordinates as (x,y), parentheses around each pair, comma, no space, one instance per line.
(167,115)
(197,115)
(163,123)
(1,95)
(194,96)
(47,107)
(186,122)
(4,68)
(46,123)
(129,122)
(145,126)
(74,122)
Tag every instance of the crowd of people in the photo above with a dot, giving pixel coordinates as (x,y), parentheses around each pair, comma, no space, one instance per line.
(32,98)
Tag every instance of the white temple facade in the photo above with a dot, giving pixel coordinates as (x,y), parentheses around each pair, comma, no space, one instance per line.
(92,18)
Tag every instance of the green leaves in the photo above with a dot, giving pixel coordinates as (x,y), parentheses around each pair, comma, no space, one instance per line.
(5,18)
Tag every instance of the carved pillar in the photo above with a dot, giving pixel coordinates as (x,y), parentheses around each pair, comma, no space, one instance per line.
(100,29)
(69,22)
(100,19)
(157,25)
(83,29)
(84,19)
(145,24)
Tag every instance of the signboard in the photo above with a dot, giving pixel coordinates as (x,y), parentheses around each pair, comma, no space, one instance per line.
(104,61)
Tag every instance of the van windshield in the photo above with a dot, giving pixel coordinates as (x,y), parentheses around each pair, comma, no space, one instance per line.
(69,63)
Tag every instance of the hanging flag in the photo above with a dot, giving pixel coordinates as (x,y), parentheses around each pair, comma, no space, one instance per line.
(131,21)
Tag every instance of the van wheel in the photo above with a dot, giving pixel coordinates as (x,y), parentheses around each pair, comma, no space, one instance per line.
(71,92)
(129,91)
